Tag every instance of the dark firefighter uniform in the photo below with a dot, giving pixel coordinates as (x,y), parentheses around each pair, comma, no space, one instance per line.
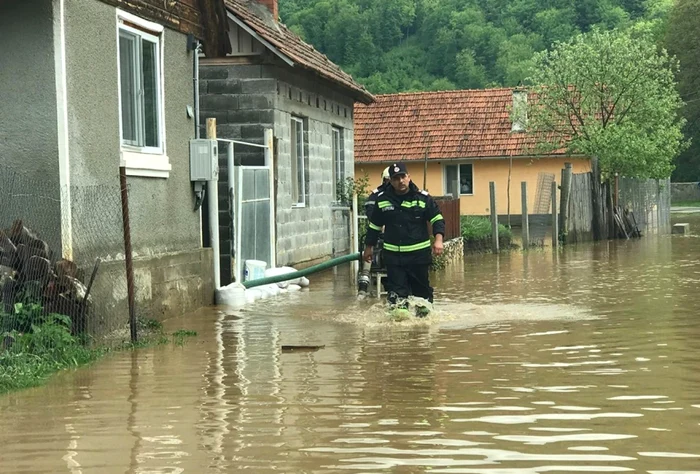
(407,248)
(371,203)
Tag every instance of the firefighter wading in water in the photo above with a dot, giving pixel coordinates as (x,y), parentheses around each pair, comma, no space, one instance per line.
(404,211)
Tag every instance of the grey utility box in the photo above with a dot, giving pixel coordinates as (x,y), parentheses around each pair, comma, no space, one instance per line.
(204,160)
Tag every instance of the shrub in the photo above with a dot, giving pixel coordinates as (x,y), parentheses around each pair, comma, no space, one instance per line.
(478,228)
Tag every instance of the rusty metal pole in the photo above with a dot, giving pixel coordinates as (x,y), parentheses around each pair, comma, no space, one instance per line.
(128,255)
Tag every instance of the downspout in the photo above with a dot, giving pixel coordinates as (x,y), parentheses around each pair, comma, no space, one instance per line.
(195,60)
(59,38)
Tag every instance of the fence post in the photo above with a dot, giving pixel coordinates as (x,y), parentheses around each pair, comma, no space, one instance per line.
(494,218)
(555,220)
(128,255)
(213,202)
(566,178)
(354,237)
(525,216)
(269,161)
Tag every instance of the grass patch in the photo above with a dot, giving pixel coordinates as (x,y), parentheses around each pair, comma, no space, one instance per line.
(686,204)
(478,228)
(29,358)
(477,234)
(32,351)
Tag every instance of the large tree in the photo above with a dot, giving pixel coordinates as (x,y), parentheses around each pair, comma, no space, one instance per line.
(682,35)
(610,95)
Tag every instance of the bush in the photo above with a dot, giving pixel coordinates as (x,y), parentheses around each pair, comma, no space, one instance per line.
(480,227)
(48,346)
(476,232)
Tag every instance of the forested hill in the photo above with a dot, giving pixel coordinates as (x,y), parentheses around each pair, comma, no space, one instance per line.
(408,45)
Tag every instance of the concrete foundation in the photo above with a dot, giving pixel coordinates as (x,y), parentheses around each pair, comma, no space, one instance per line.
(166,286)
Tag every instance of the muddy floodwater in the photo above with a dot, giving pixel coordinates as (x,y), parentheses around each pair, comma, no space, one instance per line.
(585,360)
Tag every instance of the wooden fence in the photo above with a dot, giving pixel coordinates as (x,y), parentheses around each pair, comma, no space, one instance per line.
(449,208)
(648,199)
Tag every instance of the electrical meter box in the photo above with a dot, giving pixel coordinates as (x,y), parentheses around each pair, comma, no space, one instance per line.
(204,160)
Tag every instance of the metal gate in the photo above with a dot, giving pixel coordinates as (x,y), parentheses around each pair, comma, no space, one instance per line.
(254,223)
(251,204)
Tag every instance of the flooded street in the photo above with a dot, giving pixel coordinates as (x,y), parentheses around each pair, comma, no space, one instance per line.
(579,361)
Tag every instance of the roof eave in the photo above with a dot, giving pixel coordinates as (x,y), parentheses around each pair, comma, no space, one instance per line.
(472,158)
(242,24)
(357,93)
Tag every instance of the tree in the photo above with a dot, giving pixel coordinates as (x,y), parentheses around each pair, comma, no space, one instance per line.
(609,95)
(682,40)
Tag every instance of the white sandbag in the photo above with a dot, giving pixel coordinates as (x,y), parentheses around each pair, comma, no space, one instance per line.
(282,271)
(231,295)
(270,290)
(252,295)
(291,288)
(273,272)
(303,282)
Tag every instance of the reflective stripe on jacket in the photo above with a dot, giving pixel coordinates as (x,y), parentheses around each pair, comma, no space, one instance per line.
(405,218)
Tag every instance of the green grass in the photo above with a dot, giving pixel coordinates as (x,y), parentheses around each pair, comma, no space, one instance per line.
(28,358)
(686,204)
(479,228)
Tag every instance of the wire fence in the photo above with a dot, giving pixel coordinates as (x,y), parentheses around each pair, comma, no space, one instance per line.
(54,261)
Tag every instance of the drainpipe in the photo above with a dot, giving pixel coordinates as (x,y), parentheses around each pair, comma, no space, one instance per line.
(195,46)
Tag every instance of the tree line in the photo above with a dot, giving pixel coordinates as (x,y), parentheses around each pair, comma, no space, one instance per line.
(421,45)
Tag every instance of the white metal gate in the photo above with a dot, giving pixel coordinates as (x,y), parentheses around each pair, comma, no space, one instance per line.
(251,194)
(254,223)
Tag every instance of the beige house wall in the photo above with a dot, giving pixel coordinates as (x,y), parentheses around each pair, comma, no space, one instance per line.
(484,171)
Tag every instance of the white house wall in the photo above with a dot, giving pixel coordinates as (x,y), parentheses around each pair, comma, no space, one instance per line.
(28,116)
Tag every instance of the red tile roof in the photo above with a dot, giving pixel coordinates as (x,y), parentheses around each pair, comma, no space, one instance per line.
(449,125)
(298,51)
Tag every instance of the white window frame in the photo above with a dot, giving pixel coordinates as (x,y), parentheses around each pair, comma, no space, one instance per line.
(459,177)
(338,160)
(299,194)
(144,161)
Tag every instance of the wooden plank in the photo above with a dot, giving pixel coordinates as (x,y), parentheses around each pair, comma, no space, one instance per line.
(494,218)
(525,216)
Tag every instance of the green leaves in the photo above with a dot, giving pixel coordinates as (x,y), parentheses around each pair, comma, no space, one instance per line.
(609,94)
(402,45)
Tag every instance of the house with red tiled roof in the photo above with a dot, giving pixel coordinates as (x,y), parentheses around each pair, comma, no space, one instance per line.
(457,142)
(272,79)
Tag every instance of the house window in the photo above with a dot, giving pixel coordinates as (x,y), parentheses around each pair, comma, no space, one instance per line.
(338,164)
(139,69)
(459,179)
(299,162)
(140,63)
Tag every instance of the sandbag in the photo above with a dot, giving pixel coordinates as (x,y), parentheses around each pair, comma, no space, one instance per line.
(302,281)
(231,295)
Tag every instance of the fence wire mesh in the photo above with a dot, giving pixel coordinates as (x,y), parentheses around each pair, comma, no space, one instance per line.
(42,294)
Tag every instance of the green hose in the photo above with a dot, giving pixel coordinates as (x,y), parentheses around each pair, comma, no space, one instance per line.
(302,273)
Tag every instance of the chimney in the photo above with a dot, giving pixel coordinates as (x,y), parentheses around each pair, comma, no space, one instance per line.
(518,114)
(272,6)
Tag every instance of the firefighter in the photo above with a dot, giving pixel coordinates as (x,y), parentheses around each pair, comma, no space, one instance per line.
(372,199)
(404,211)
(363,280)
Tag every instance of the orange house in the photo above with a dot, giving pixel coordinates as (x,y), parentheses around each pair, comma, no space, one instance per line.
(457,142)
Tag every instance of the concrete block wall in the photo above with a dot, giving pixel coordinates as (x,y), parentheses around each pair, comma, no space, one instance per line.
(242,101)
(310,233)
(247,99)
